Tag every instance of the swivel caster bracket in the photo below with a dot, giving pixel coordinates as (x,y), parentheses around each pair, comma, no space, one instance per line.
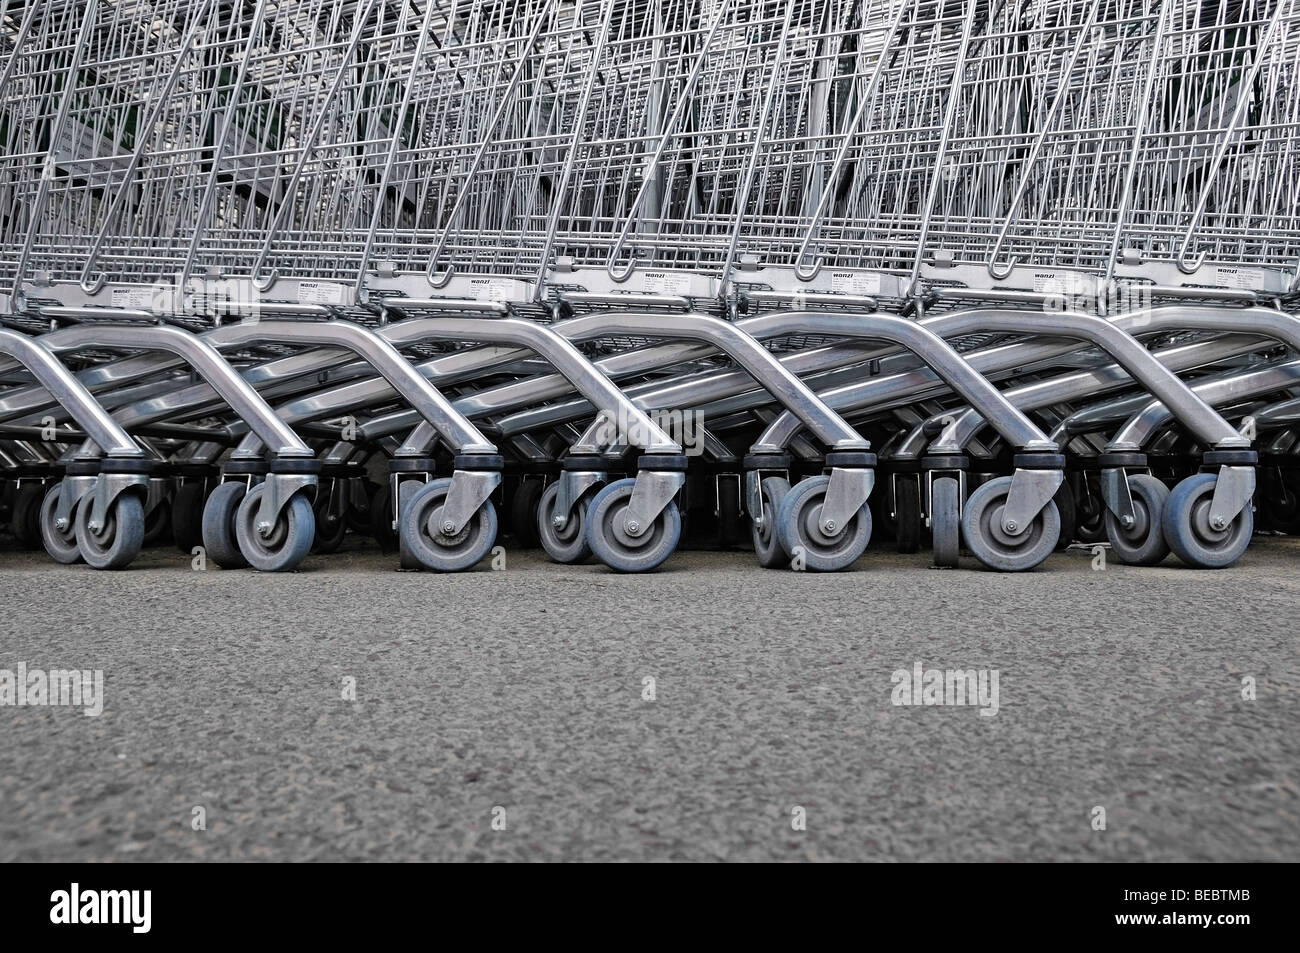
(1232,492)
(108,487)
(654,490)
(572,485)
(1117,496)
(470,489)
(848,489)
(1031,490)
(280,489)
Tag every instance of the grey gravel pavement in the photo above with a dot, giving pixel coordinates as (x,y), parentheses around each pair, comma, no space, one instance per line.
(519,700)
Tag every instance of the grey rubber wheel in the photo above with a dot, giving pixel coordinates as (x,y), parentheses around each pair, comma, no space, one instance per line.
(60,544)
(219,513)
(945,521)
(290,539)
(120,538)
(1142,544)
(569,544)
(767,542)
(981,526)
(611,543)
(431,548)
(1186,525)
(406,490)
(798,526)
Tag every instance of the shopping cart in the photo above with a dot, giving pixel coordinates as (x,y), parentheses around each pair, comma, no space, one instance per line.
(258,256)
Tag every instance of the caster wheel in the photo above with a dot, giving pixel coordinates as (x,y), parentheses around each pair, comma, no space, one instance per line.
(523,513)
(429,547)
(218,528)
(981,527)
(1186,525)
(330,527)
(767,543)
(567,545)
(406,560)
(290,541)
(1142,544)
(25,521)
(945,521)
(608,538)
(907,513)
(381,519)
(1064,500)
(60,544)
(118,540)
(798,527)
(187,516)
(157,522)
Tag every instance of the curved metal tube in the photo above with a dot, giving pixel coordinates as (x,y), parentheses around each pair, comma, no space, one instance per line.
(452,426)
(69,392)
(1014,426)
(821,366)
(746,351)
(1285,413)
(526,336)
(553,347)
(1115,337)
(961,426)
(1227,389)
(199,354)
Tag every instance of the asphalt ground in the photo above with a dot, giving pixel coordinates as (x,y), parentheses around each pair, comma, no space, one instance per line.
(507,715)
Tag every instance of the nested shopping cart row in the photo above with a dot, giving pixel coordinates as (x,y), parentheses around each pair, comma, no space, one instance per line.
(1000,276)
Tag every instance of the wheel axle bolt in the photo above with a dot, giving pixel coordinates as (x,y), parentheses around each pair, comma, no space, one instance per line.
(1127,522)
(448,527)
(264,528)
(94,526)
(60,524)
(829,526)
(1012,526)
(1218,522)
(632,527)
(558,520)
